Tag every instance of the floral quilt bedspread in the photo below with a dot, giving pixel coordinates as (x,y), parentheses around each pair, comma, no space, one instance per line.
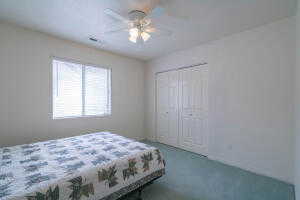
(98,166)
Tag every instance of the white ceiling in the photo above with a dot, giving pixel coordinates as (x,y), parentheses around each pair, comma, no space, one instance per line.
(207,20)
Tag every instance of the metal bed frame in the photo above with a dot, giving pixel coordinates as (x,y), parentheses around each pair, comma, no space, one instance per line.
(138,191)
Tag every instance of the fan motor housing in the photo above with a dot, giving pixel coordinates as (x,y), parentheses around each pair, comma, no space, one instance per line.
(136,15)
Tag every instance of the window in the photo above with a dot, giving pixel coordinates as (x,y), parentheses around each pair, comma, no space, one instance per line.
(80,90)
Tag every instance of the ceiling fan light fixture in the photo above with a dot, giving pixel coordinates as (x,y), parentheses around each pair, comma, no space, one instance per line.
(139,23)
(134,32)
(145,36)
(132,39)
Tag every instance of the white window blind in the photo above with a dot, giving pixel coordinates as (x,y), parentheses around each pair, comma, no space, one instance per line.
(80,90)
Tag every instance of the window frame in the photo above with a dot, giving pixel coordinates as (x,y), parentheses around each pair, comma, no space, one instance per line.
(83,86)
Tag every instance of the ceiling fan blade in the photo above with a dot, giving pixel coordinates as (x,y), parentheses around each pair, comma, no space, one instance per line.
(168,6)
(156,12)
(115,15)
(159,31)
(114,31)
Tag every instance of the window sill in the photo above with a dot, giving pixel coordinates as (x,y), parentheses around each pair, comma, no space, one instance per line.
(85,116)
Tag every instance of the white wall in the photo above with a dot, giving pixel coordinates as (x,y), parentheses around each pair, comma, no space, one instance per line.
(297,109)
(25,89)
(250,90)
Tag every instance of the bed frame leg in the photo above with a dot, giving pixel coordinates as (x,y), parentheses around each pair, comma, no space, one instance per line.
(139,194)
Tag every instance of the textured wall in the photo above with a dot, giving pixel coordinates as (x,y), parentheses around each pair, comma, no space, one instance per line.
(251,94)
(297,109)
(26,84)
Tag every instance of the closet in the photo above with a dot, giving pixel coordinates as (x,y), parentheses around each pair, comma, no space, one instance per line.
(182,108)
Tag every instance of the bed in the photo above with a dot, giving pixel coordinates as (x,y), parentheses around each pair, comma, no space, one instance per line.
(100,166)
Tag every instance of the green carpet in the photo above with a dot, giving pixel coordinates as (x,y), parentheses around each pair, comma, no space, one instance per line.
(191,176)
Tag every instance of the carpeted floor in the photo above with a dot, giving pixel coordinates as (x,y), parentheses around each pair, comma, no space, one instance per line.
(193,177)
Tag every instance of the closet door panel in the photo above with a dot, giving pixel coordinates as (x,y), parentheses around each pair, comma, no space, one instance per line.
(167,108)
(204,83)
(199,125)
(162,119)
(193,109)
(186,130)
(173,108)
(185,102)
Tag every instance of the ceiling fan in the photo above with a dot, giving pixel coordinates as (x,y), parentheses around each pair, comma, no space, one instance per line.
(139,24)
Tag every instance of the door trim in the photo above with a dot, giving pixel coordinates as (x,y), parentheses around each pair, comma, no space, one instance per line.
(179,68)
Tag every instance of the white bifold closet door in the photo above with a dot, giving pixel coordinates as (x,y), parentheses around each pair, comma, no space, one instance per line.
(182,108)
(193,109)
(167,108)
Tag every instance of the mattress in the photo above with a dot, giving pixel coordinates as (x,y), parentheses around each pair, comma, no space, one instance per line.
(96,166)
